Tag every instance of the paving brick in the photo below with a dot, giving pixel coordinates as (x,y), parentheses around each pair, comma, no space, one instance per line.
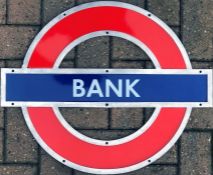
(2,64)
(168,11)
(202,65)
(24,11)
(198,29)
(67,64)
(128,64)
(53,8)
(139,3)
(93,53)
(2,11)
(21,147)
(196,153)
(16,41)
(50,166)
(123,49)
(201,119)
(70,55)
(14,63)
(148,112)
(151,170)
(1,145)
(107,134)
(176,30)
(150,65)
(169,157)
(17,170)
(126,118)
(86,118)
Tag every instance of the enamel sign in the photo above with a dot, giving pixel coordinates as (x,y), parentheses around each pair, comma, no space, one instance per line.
(111,87)
(40,87)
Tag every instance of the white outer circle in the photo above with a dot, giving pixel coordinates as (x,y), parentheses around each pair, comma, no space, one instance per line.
(106,171)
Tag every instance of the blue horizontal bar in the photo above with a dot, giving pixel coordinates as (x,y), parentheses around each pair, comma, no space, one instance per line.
(93,87)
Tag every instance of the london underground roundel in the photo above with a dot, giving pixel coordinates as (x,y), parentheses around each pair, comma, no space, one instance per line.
(173,88)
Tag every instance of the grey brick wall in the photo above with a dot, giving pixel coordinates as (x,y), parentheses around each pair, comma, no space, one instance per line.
(20,21)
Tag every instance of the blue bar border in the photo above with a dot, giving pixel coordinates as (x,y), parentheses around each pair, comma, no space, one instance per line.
(207,72)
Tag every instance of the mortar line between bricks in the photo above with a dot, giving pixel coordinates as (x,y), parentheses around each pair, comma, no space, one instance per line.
(6,15)
(179,157)
(181,20)
(130,60)
(41,12)
(198,130)
(72,172)
(148,60)
(111,129)
(5,136)
(109,113)
(75,57)
(110,51)
(39,160)
(21,59)
(75,3)
(19,25)
(173,26)
(134,129)
(146,4)
(144,109)
(3,131)
(12,59)
(33,164)
(116,60)
(201,61)
(212,152)
(38,146)
(19,163)
(110,66)
(144,116)
(164,164)
(181,38)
